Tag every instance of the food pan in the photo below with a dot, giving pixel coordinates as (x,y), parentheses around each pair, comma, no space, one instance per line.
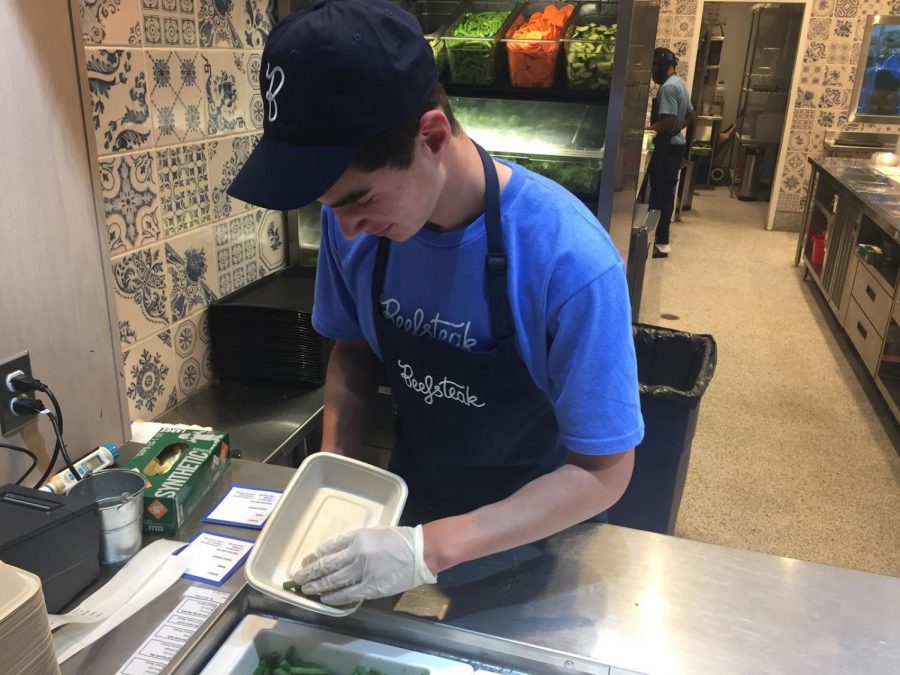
(258,637)
(328,496)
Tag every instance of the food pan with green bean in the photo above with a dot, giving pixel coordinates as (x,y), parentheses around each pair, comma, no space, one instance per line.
(289,663)
(472,42)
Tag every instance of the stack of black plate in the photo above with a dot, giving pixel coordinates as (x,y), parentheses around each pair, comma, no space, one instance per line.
(263,332)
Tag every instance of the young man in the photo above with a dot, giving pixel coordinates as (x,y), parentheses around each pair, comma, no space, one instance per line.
(495,302)
(675,112)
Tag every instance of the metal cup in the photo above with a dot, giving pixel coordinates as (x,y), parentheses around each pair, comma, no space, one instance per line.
(119,495)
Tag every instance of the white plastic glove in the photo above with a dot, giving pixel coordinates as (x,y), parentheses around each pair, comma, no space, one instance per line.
(366,564)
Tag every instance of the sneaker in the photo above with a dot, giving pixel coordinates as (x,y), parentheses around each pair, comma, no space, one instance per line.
(659,253)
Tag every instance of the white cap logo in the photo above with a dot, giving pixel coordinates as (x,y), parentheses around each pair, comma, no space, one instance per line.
(273,89)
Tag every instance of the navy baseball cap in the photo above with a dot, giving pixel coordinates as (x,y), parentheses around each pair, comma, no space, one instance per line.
(332,76)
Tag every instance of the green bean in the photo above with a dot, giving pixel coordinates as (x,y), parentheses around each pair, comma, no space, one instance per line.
(473,61)
(589,55)
(274,664)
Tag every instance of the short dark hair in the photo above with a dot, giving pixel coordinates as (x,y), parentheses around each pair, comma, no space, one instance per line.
(395,148)
(663,56)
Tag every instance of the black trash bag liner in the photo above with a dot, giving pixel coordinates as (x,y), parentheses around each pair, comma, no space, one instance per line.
(674,369)
(672,364)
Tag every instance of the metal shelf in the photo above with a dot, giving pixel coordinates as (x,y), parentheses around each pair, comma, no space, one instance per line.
(546,129)
(557,94)
(749,140)
(786,22)
(753,90)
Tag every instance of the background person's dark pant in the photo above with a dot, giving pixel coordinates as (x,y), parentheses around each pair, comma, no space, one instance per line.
(665,164)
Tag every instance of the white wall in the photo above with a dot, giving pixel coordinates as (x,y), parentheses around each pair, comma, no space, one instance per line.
(52,250)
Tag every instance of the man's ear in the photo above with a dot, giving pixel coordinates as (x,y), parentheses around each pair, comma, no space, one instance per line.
(434,129)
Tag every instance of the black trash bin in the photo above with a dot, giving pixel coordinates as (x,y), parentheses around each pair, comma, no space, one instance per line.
(674,369)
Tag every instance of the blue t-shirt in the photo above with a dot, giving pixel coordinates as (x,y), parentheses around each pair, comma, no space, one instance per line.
(567,291)
(674,99)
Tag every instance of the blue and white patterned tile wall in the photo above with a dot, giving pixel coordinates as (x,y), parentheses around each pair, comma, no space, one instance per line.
(822,101)
(176,111)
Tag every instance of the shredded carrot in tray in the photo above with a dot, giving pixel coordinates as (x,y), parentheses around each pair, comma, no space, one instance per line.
(532,62)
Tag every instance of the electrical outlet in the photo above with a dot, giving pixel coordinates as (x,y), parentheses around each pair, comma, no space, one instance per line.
(9,421)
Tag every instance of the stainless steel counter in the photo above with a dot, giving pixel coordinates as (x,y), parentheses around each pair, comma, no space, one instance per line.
(109,653)
(630,599)
(265,423)
(877,195)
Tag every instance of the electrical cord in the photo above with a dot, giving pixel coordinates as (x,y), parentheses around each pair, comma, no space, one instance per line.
(53,458)
(22,406)
(62,445)
(56,408)
(21,383)
(59,446)
(25,451)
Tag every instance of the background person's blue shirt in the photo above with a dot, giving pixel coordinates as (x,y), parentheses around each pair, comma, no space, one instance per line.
(674,99)
(568,296)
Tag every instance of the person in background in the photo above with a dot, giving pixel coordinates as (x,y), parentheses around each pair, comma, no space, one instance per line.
(494,301)
(672,113)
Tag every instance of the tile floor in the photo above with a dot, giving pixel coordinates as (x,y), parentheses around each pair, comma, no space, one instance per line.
(794,453)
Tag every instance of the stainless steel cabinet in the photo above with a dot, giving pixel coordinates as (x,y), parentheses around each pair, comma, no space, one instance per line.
(854,258)
(840,272)
(888,376)
(832,224)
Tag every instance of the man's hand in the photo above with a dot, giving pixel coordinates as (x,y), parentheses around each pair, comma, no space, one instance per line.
(365,564)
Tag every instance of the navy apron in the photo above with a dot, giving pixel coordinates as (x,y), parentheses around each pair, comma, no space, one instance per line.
(472,427)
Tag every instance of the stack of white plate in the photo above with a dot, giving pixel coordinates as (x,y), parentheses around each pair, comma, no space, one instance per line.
(25,642)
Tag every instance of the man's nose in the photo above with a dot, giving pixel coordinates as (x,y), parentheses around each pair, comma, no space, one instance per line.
(351,227)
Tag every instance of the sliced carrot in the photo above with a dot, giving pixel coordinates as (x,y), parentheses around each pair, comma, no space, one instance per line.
(532,54)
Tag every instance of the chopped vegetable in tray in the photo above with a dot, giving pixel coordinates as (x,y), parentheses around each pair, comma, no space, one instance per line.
(290,664)
(589,57)
(472,61)
(532,60)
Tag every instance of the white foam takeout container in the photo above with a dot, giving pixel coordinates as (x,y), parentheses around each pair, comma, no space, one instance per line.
(328,496)
(257,636)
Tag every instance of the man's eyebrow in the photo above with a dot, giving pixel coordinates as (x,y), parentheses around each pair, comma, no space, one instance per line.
(350,198)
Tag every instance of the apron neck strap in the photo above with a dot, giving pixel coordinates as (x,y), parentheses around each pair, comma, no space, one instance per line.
(495,263)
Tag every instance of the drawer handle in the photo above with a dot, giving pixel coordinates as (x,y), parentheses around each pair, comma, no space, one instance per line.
(871,293)
(862,330)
